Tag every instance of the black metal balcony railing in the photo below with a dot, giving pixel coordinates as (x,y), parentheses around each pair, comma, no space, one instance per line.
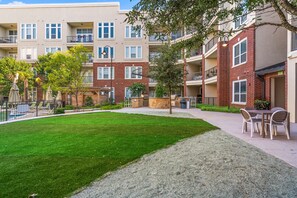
(177,35)
(196,52)
(153,55)
(211,72)
(11,56)
(211,100)
(11,39)
(211,43)
(80,39)
(197,76)
(190,30)
(153,38)
(88,79)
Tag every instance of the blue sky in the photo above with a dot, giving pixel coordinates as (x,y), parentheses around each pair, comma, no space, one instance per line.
(125,4)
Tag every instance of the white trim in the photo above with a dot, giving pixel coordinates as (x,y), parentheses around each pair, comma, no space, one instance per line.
(130,32)
(52,47)
(136,46)
(233,52)
(109,54)
(25,35)
(50,31)
(130,73)
(233,86)
(109,75)
(102,31)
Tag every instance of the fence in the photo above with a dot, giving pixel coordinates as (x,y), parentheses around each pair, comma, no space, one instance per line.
(14,111)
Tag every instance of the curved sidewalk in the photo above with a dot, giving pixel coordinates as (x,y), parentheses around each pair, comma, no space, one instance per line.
(231,123)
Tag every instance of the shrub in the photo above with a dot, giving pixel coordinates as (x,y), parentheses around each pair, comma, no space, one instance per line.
(206,107)
(261,104)
(111,107)
(69,107)
(59,111)
(98,106)
(89,101)
(137,89)
(160,91)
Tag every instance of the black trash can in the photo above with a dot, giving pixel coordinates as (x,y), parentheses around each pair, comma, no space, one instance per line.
(183,103)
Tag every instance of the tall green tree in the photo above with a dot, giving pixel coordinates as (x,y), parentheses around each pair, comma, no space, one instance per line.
(9,68)
(166,16)
(64,71)
(166,71)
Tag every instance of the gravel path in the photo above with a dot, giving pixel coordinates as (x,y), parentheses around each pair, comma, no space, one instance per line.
(210,165)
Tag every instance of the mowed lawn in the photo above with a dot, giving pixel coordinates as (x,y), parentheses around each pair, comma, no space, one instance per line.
(55,156)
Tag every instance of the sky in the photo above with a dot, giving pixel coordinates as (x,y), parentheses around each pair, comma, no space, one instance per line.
(125,4)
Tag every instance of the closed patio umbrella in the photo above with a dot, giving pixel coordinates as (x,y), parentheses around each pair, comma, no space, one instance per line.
(49,94)
(59,96)
(14,95)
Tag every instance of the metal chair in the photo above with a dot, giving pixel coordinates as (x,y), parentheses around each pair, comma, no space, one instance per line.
(248,119)
(279,117)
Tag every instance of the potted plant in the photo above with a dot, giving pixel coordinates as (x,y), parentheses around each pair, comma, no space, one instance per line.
(136,90)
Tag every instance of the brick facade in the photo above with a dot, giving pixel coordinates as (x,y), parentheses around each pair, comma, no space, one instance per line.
(119,82)
(222,75)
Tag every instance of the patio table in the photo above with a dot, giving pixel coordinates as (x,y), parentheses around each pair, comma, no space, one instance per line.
(265,114)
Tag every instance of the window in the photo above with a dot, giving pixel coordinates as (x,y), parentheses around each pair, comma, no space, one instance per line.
(104,73)
(294,41)
(128,93)
(53,31)
(132,72)
(240,52)
(133,52)
(239,21)
(12,34)
(109,52)
(239,91)
(28,31)
(133,31)
(52,49)
(29,53)
(106,30)
(84,35)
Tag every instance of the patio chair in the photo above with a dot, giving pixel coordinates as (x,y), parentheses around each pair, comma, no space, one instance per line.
(33,106)
(277,108)
(248,119)
(278,118)
(253,115)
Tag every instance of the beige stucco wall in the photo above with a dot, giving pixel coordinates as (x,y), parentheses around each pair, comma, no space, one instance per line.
(211,90)
(210,62)
(66,14)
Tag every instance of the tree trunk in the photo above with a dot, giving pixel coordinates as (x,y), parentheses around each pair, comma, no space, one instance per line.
(76,98)
(170,106)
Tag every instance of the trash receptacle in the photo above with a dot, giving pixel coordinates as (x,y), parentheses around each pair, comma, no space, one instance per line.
(188,104)
(183,103)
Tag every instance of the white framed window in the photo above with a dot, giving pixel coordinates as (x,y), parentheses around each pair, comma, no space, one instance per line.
(29,53)
(28,31)
(133,72)
(106,30)
(133,31)
(240,52)
(84,35)
(104,73)
(110,52)
(239,92)
(112,94)
(128,93)
(52,49)
(239,21)
(133,52)
(53,31)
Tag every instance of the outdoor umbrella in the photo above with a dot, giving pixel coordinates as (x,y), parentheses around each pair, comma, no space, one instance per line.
(49,94)
(14,95)
(59,96)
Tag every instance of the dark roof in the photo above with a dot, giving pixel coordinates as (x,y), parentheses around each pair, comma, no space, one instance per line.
(271,69)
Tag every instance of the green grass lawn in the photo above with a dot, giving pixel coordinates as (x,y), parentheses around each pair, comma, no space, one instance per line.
(56,156)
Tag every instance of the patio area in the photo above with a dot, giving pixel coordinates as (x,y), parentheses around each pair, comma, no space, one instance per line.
(280,147)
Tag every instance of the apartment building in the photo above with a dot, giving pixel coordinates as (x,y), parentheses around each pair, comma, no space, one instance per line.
(238,69)
(30,30)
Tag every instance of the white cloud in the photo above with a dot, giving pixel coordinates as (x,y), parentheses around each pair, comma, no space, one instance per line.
(16,3)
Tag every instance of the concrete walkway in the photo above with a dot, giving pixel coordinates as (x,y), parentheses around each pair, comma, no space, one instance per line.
(280,147)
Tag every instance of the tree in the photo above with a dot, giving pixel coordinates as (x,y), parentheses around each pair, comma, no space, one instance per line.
(167,72)
(137,89)
(64,70)
(163,17)
(9,68)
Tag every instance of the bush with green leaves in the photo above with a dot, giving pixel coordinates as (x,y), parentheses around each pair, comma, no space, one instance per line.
(160,91)
(59,111)
(262,104)
(69,107)
(89,101)
(112,107)
(207,107)
(137,89)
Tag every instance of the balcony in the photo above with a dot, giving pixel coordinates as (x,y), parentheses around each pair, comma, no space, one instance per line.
(211,72)
(152,82)
(80,39)
(153,55)
(11,39)
(211,43)
(196,52)
(177,35)
(155,38)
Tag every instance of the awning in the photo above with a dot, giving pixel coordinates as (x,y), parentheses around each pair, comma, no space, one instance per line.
(271,69)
